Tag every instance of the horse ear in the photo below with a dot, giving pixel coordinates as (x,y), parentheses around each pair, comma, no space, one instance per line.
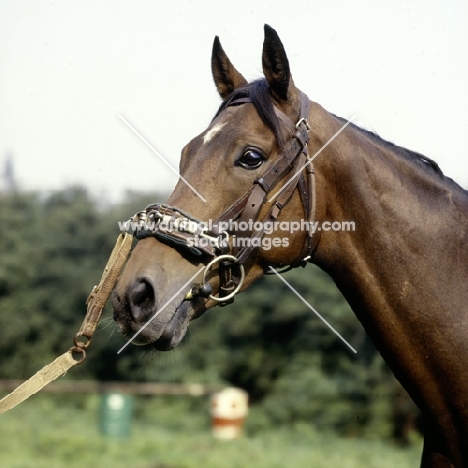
(276,65)
(225,76)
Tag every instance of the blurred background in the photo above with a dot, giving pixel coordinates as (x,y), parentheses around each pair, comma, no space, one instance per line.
(70,169)
(308,393)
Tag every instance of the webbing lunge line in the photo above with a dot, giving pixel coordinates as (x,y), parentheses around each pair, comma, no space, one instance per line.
(77,353)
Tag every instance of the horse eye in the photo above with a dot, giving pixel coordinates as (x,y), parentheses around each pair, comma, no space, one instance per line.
(251,159)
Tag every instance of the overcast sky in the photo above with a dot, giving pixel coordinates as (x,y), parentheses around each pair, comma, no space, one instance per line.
(68,69)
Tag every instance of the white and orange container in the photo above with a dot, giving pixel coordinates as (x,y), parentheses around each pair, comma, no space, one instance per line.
(229,409)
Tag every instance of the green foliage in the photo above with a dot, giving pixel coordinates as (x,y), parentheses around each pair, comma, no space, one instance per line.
(297,371)
(174,432)
(295,367)
(52,251)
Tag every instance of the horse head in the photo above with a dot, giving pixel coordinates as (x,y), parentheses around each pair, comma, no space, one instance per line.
(247,173)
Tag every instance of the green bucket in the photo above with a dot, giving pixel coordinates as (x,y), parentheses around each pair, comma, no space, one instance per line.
(116,415)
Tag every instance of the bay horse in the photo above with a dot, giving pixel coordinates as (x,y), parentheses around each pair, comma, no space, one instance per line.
(270,155)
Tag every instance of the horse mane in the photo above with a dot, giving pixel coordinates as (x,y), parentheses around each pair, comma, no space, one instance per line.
(409,154)
(418,159)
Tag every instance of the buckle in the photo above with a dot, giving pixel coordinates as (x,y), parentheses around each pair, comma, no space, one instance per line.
(303,121)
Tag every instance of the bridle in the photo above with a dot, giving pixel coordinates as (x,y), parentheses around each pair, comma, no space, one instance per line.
(193,237)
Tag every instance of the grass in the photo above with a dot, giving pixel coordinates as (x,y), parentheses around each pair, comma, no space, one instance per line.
(58,431)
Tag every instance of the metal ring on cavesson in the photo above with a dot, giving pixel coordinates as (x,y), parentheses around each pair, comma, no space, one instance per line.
(241,281)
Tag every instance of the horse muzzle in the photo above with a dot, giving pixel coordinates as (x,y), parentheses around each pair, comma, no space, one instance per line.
(140,321)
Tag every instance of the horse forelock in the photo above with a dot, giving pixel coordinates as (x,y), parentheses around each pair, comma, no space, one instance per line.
(259,94)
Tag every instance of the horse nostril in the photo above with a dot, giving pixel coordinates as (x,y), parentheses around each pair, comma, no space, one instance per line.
(141,297)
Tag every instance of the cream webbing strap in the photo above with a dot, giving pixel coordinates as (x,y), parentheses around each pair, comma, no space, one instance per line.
(96,301)
(39,380)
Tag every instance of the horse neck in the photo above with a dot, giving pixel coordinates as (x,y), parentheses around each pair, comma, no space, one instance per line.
(401,207)
(402,267)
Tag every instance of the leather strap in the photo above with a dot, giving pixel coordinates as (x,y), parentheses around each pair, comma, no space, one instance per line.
(293,158)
